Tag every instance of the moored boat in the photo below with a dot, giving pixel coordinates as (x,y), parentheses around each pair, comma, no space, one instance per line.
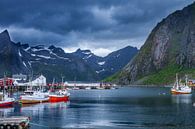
(180,88)
(59,96)
(6,101)
(31,97)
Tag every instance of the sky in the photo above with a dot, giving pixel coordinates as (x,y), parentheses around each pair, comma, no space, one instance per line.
(102,26)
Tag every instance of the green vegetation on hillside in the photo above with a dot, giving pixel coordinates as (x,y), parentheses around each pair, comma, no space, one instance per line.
(163,77)
(112,78)
(167,75)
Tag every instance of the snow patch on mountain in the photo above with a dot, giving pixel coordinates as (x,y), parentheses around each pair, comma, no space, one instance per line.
(27,49)
(59,56)
(46,57)
(100,71)
(33,55)
(24,64)
(101,63)
(19,53)
(87,56)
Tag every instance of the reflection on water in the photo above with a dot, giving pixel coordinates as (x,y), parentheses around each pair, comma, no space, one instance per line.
(182,98)
(147,108)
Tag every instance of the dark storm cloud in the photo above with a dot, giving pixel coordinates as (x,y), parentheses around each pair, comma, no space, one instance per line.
(95,22)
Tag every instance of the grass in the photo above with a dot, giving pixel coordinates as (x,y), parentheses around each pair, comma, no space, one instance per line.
(167,75)
(163,77)
(112,78)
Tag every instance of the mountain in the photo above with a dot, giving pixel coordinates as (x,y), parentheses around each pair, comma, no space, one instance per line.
(170,48)
(112,63)
(10,59)
(52,61)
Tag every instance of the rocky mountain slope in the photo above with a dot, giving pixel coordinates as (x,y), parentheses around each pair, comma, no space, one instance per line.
(170,48)
(52,61)
(112,63)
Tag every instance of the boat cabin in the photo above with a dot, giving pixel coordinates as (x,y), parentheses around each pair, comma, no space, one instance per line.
(28,92)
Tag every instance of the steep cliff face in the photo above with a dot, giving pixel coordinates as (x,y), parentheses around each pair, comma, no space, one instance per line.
(171,42)
(9,60)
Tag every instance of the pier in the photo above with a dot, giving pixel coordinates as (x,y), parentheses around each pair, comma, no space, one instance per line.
(16,122)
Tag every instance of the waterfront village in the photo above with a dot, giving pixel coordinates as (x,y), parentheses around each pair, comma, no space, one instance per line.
(22,81)
(34,90)
(37,90)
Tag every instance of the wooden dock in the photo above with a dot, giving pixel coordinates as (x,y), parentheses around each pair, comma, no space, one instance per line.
(15,122)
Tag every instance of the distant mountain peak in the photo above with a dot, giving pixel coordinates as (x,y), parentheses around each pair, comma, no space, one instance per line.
(39,47)
(51,47)
(56,50)
(5,32)
(5,36)
(83,51)
(78,50)
(25,46)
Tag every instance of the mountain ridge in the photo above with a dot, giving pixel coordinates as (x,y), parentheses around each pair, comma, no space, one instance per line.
(53,61)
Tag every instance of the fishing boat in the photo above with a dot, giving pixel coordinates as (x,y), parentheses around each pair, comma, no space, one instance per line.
(31,97)
(59,96)
(180,88)
(5,100)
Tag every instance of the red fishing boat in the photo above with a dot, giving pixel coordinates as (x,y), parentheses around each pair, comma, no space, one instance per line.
(180,88)
(5,101)
(60,96)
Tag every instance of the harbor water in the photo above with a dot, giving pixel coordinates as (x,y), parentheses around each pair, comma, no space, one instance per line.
(126,107)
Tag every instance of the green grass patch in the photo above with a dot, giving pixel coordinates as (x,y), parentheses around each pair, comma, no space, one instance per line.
(112,78)
(167,75)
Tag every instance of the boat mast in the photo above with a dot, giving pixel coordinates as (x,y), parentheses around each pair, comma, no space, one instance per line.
(30,80)
(62,82)
(177,81)
(186,79)
(40,87)
(4,83)
(75,81)
(52,85)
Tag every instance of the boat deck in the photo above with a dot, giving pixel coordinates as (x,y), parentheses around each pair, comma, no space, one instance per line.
(15,122)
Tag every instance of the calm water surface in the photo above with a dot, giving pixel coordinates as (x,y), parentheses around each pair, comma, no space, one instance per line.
(147,108)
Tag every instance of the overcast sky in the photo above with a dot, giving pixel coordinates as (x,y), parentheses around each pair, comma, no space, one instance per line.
(100,25)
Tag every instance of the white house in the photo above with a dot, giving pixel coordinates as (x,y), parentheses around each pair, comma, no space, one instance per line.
(38,81)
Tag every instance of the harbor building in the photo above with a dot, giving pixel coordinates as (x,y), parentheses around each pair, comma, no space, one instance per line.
(19,77)
(35,81)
